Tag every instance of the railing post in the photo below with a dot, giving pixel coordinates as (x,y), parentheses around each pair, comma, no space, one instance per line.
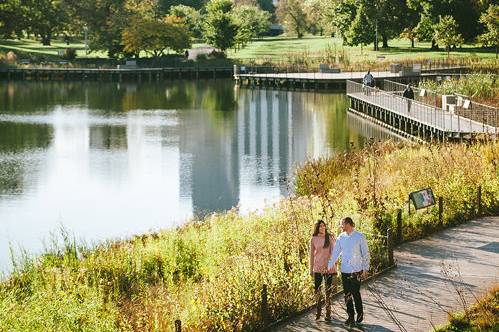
(440,210)
(479,200)
(389,243)
(265,305)
(178,325)
(399,226)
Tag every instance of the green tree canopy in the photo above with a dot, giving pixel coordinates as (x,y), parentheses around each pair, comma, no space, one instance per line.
(252,22)
(155,36)
(447,32)
(491,21)
(219,28)
(191,17)
(13,15)
(45,18)
(292,14)
(361,31)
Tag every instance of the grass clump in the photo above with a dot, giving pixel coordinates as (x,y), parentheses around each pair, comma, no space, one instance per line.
(483,316)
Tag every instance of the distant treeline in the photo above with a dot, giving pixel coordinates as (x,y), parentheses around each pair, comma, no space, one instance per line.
(128,27)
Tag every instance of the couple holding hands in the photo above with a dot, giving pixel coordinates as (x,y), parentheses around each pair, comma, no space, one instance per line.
(325,251)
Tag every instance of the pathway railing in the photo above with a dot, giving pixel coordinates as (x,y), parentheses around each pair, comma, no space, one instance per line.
(418,111)
(486,114)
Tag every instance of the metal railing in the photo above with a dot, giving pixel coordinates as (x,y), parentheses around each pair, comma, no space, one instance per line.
(418,111)
(482,113)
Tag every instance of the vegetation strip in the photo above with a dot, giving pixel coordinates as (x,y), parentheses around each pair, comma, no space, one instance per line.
(209,274)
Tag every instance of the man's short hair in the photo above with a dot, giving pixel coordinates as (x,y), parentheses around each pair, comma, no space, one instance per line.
(349,221)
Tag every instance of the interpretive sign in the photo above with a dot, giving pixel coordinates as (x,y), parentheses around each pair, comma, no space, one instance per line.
(422,198)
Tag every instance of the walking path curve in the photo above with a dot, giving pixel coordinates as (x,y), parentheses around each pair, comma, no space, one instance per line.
(426,284)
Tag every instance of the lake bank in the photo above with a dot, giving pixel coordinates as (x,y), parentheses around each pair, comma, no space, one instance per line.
(209,274)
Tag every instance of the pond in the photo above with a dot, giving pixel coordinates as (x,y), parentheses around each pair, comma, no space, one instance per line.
(106,160)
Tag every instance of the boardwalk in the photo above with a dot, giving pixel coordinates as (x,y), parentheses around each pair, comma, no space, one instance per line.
(419,291)
(328,80)
(138,74)
(412,117)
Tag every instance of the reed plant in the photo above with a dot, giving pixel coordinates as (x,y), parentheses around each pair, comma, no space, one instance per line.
(210,273)
(482,87)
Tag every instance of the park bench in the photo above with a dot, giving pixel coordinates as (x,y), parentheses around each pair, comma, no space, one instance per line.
(129,64)
(324,68)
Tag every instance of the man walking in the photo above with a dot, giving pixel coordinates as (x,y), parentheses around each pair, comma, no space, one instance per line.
(368,82)
(409,94)
(352,246)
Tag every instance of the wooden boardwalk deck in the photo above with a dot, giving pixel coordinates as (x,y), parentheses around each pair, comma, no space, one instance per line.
(414,118)
(139,74)
(326,80)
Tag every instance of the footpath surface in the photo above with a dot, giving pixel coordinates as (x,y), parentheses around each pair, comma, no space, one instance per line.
(433,276)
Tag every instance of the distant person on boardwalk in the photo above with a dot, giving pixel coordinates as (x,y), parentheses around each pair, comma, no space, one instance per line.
(352,246)
(409,94)
(368,81)
(321,246)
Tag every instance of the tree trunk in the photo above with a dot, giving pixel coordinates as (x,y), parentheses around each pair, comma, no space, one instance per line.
(434,45)
(46,38)
(412,43)
(385,40)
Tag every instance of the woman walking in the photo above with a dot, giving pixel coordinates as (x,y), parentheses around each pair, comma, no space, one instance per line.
(321,247)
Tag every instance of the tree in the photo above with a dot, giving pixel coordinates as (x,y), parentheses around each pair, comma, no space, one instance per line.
(191,17)
(491,21)
(155,36)
(292,15)
(219,28)
(409,33)
(465,12)
(45,18)
(105,20)
(12,18)
(252,22)
(340,14)
(166,5)
(361,30)
(314,10)
(446,32)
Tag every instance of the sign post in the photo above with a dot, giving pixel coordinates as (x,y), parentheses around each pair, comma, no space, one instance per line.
(422,198)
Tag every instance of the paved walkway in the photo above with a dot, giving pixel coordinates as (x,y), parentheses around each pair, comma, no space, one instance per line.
(419,291)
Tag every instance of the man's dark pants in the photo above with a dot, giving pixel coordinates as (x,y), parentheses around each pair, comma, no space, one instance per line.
(351,288)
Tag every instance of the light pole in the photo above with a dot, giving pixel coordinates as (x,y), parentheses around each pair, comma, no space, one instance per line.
(85,29)
(376,27)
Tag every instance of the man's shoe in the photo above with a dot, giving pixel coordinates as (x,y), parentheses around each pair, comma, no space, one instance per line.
(360,318)
(349,322)
(327,318)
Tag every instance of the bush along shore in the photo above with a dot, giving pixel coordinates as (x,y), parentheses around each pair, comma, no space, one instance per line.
(209,274)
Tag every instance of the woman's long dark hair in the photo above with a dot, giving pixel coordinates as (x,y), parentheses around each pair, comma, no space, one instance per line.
(326,236)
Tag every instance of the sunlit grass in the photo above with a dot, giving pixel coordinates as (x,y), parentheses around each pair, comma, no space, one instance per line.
(209,274)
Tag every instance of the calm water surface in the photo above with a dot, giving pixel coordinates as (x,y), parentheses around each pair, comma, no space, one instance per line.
(108,160)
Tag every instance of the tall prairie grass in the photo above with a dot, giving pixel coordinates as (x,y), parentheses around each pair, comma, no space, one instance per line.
(375,182)
(209,274)
(479,87)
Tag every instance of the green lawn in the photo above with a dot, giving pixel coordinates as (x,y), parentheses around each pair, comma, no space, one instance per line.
(276,48)
(273,48)
(25,47)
